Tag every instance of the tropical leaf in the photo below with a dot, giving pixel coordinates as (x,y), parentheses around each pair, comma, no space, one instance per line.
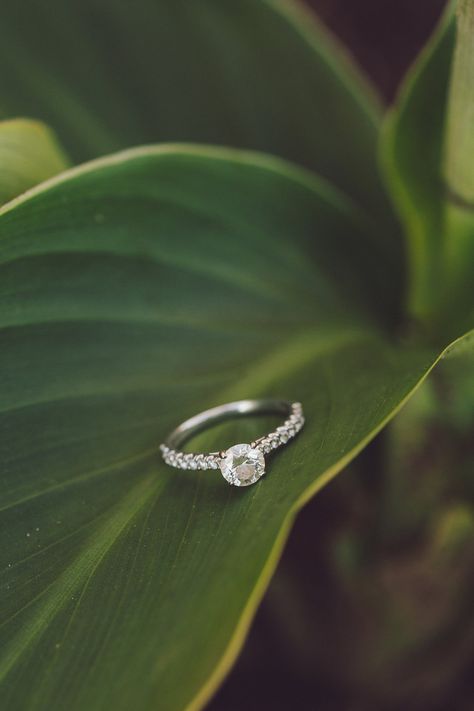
(29,154)
(106,79)
(424,155)
(137,290)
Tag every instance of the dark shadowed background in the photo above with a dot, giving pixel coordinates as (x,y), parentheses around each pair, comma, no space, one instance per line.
(383,35)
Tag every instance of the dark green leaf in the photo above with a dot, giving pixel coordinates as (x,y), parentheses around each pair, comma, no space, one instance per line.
(135,292)
(260,75)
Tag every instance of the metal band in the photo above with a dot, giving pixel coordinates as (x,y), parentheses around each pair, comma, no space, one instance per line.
(293,423)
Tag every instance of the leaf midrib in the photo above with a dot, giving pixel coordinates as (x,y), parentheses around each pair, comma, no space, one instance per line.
(117,464)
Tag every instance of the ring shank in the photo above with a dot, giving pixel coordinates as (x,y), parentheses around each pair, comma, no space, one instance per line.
(230,410)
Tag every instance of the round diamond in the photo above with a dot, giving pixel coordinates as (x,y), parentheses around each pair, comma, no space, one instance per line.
(242,465)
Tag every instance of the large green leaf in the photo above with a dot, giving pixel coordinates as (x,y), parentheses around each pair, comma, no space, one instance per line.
(425,155)
(135,291)
(29,154)
(257,74)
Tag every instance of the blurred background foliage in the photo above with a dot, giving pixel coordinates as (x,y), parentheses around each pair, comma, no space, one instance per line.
(368,608)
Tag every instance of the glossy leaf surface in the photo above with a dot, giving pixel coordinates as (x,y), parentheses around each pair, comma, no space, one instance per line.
(106,78)
(136,291)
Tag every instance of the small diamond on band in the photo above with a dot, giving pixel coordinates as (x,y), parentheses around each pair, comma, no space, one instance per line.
(241,464)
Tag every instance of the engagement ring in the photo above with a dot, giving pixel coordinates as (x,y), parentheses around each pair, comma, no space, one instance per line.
(242,464)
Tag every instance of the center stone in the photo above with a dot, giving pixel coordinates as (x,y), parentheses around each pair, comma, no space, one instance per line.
(242,465)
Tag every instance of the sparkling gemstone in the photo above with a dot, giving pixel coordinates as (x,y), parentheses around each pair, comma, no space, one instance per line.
(242,465)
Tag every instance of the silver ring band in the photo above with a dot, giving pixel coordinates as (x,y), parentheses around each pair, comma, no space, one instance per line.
(242,464)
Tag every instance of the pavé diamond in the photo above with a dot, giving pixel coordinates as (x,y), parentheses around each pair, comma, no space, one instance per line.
(242,465)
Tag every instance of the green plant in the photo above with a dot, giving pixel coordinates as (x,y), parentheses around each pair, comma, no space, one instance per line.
(140,287)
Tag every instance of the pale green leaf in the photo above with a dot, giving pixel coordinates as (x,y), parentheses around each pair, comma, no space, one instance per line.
(457,297)
(412,156)
(459,168)
(29,154)
(422,151)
